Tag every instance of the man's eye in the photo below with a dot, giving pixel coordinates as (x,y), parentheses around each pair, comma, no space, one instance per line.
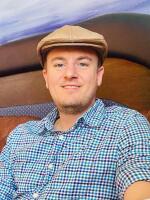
(58,65)
(83,64)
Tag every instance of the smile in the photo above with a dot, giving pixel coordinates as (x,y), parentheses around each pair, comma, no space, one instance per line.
(70,86)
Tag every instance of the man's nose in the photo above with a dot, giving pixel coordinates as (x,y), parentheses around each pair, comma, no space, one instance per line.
(70,71)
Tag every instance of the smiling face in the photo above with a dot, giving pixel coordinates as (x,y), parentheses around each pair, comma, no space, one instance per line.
(72,76)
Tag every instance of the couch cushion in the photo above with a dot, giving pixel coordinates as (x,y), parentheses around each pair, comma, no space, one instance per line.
(39,110)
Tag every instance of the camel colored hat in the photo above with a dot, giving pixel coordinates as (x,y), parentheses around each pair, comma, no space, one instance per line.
(72,36)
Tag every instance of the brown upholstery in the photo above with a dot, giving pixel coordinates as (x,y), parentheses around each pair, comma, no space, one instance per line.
(146,113)
(126,82)
(8,123)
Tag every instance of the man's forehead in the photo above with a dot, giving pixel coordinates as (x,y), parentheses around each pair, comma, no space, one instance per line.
(68,49)
(78,58)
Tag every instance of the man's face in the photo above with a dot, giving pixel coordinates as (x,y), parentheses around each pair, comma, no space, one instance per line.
(72,76)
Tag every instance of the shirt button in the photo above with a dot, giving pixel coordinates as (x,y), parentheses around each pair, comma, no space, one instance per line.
(61,137)
(50,166)
(35,195)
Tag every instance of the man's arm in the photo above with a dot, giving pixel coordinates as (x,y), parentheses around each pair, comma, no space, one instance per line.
(6,181)
(7,186)
(139,190)
(133,171)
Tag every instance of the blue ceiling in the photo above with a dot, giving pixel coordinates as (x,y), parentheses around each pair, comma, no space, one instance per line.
(22,19)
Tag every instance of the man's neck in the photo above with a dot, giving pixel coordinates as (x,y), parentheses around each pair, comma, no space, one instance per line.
(66,121)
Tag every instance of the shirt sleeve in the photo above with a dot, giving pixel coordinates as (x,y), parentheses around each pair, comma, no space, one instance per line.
(7,186)
(134,153)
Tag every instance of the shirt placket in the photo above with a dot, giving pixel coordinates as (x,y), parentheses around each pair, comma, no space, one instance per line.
(53,163)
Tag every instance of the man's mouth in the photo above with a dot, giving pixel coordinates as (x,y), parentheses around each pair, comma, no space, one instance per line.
(70,86)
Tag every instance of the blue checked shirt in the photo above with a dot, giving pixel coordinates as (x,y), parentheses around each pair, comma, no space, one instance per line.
(105,151)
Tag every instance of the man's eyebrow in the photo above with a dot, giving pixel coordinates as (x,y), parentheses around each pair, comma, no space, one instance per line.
(57,58)
(85,57)
(79,58)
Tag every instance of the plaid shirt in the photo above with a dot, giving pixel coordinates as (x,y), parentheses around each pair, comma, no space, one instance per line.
(105,151)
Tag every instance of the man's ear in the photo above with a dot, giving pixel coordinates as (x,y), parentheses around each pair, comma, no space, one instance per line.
(44,71)
(100,72)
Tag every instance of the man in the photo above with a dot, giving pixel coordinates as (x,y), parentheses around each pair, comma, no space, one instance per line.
(82,149)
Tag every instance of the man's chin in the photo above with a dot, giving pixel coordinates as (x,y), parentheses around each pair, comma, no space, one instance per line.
(71,108)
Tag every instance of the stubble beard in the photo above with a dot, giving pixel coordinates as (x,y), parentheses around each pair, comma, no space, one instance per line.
(75,108)
(71,109)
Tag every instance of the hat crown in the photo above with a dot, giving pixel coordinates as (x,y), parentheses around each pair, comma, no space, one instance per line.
(73,34)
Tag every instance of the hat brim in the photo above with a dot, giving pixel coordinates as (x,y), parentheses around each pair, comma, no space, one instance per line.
(100,49)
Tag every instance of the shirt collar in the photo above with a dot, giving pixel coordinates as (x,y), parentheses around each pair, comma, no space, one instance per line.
(92,117)
(50,119)
(94,114)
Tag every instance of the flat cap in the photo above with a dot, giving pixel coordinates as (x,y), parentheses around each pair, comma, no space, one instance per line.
(72,36)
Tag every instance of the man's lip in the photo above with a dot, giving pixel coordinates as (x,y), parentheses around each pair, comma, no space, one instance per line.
(70,86)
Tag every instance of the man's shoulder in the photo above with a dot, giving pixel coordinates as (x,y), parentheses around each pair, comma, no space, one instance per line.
(127,124)
(117,109)
(25,133)
(123,113)
(28,127)
(112,114)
